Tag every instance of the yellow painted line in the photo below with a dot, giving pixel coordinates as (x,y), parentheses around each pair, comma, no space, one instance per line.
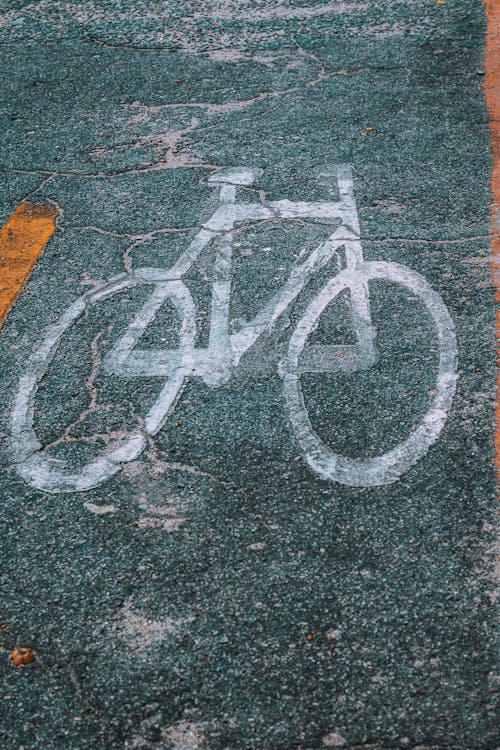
(22,241)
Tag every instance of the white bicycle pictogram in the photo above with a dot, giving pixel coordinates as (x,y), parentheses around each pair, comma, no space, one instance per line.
(216,363)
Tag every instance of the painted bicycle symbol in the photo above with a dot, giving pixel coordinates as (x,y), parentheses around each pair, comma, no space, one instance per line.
(218,361)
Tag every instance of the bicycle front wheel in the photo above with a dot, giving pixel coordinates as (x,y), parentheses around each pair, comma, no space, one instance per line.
(386,467)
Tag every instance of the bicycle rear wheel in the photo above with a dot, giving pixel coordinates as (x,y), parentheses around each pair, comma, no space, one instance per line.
(53,474)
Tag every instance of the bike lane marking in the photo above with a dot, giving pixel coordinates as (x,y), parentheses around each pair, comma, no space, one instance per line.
(39,469)
(22,241)
(492,92)
(375,574)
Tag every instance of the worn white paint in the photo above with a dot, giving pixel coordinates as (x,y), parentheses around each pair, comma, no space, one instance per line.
(388,467)
(100,510)
(217,362)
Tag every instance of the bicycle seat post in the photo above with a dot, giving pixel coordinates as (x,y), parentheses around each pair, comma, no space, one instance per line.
(338,177)
(219,356)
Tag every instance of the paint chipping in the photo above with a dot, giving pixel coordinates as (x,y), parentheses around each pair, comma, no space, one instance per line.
(334,739)
(141,633)
(334,634)
(169,144)
(224,24)
(184,736)
(99,510)
(165,524)
(164,517)
(163,467)
(280,12)
(257,546)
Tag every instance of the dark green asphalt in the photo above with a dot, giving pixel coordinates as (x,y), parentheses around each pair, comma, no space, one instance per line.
(233,599)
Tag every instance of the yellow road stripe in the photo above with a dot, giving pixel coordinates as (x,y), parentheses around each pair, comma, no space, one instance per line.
(22,241)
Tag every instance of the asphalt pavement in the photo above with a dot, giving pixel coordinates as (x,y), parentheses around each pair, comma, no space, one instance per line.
(248,487)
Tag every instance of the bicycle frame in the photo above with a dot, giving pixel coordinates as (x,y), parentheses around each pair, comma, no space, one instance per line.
(215,363)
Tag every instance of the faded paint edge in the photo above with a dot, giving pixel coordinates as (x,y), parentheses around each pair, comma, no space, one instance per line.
(22,241)
(492,92)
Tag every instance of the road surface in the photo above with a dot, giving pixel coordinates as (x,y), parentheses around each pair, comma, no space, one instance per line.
(249,493)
